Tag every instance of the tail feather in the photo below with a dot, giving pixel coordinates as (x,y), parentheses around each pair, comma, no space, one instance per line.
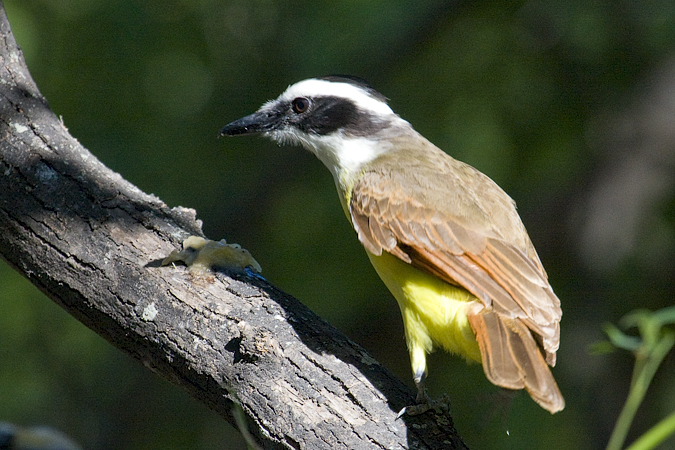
(513,360)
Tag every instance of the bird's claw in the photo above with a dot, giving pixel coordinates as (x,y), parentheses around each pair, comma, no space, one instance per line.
(424,404)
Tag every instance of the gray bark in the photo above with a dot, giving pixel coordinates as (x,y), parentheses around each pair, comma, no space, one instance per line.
(92,242)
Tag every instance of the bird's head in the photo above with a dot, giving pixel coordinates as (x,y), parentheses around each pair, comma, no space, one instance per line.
(342,120)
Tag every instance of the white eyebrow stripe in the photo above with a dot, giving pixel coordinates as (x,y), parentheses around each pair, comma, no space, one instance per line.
(322,88)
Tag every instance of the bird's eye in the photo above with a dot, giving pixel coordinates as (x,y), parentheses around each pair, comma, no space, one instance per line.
(300,105)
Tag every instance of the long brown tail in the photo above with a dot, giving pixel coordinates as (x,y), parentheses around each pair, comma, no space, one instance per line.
(512,359)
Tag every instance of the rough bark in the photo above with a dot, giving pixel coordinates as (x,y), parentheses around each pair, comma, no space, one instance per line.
(92,242)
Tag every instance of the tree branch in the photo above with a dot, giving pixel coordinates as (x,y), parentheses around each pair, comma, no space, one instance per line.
(92,242)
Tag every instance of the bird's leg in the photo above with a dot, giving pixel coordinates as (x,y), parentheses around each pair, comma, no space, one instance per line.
(422,396)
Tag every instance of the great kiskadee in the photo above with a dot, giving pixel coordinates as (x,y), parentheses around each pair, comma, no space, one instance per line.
(444,238)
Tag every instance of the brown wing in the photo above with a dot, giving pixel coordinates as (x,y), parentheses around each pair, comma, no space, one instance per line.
(469,234)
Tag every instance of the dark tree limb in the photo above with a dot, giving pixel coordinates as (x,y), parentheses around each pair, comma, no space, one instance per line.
(91,241)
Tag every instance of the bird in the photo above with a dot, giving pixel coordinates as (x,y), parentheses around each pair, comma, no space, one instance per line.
(444,238)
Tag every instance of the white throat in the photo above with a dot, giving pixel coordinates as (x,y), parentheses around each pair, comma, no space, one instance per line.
(342,155)
(348,155)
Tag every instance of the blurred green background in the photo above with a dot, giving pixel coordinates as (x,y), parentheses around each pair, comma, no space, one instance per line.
(569,106)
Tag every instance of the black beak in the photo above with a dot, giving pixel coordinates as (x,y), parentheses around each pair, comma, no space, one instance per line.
(258,122)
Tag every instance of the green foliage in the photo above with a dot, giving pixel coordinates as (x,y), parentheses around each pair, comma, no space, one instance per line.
(656,338)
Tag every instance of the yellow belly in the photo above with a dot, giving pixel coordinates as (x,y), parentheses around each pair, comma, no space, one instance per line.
(434,312)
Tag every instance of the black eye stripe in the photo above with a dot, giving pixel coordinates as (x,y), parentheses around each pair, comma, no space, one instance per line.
(327,114)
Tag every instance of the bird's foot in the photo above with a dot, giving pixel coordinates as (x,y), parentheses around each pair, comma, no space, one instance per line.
(425,404)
